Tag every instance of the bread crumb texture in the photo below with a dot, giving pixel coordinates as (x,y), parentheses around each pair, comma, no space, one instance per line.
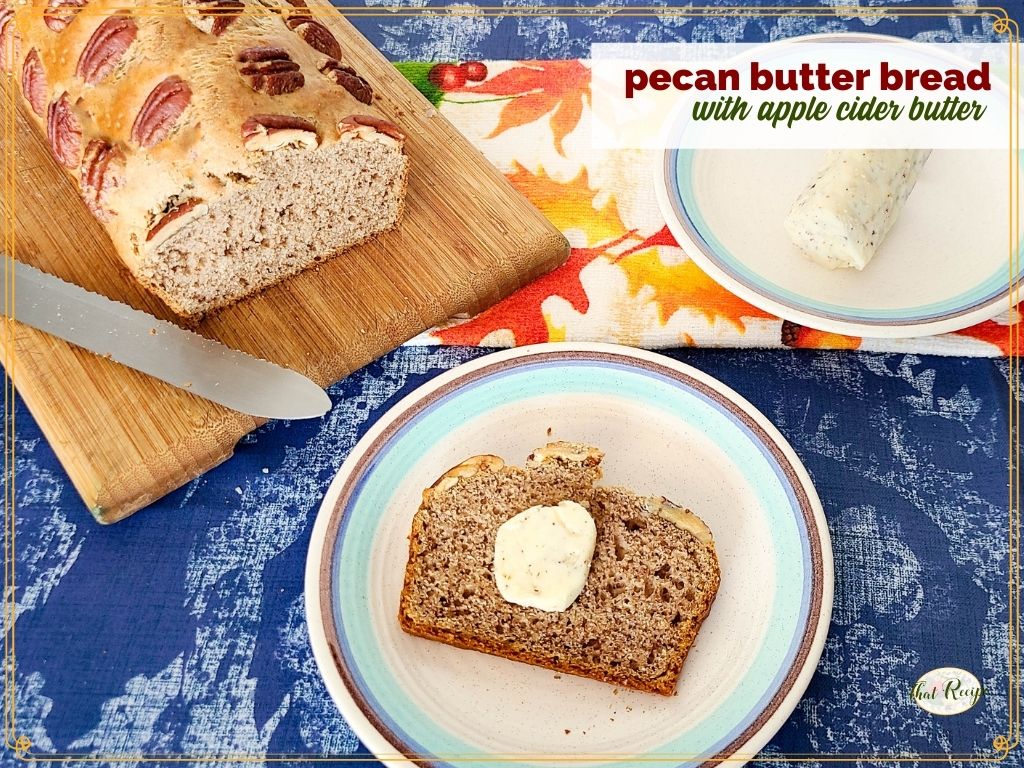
(651,583)
(301,208)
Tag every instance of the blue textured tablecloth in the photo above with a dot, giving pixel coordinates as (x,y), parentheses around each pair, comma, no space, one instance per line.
(180,631)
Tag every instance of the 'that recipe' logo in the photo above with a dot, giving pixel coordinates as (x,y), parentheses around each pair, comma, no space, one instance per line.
(947,691)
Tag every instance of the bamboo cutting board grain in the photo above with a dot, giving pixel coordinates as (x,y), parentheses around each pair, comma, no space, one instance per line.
(467,240)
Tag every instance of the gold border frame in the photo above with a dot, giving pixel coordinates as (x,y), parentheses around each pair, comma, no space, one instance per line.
(1002,744)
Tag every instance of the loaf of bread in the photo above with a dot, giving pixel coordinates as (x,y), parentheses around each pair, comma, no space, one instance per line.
(224,144)
(652,579)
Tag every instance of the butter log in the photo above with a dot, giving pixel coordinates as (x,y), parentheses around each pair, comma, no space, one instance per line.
(843,216)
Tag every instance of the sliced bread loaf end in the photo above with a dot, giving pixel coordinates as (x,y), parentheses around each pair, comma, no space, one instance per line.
(652,580)
(299,207)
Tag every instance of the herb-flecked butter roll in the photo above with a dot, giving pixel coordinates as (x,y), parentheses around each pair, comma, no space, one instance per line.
(849,208)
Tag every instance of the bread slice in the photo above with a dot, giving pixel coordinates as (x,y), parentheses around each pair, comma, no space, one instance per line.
(653,577)
(295,209)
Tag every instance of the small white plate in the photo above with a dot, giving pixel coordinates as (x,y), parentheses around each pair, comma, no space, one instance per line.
(945,265)
(666,428)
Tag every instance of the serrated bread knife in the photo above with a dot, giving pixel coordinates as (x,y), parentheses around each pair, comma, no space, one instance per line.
(163,350)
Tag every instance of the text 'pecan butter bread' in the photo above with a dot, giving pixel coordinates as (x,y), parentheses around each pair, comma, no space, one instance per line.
(491,542)
(224,145)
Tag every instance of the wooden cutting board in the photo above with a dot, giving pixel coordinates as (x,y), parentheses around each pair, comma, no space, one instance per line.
(467,240)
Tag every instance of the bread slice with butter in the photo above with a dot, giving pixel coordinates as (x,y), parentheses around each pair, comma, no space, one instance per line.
(651,582)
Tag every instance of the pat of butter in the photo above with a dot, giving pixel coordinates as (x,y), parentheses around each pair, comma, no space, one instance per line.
(542,556)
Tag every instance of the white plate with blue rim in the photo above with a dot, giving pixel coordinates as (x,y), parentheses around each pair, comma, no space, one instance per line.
(944,266)
(951,260)
(667,429)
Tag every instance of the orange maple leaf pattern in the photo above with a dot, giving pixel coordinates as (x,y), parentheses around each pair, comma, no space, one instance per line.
(567,205)
(538,88)
(994,333)
(675,286)
(522,312)
(570,206)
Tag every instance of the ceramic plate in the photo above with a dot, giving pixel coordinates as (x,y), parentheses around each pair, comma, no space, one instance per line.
(666,428)
(945,265)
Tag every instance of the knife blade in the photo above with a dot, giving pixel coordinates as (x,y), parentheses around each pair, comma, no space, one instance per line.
(163,350)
